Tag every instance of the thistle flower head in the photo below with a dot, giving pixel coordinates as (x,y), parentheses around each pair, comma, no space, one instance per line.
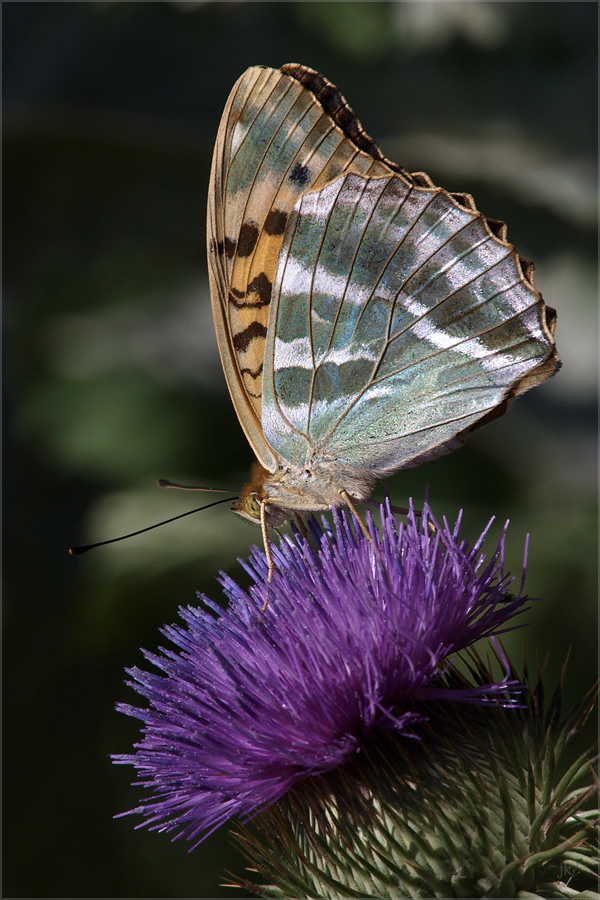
(353,642)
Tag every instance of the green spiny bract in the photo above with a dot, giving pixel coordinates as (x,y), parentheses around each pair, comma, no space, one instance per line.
(479,807)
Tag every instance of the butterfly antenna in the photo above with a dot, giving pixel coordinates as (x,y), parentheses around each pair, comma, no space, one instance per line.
(75,551)
(163,483)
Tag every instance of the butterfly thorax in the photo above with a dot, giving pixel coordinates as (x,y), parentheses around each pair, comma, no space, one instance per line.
(305,489)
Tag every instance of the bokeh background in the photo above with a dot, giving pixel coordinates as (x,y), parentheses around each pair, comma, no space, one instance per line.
(112,377)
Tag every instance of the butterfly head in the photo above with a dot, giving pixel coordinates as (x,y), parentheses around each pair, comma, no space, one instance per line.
(253,497)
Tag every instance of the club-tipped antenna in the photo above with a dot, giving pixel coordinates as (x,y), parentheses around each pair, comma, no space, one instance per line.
(75,551)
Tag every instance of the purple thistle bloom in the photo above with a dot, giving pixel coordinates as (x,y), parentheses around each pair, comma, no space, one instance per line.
(354,638)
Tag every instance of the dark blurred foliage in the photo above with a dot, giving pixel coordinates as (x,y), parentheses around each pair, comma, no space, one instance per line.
(112,377)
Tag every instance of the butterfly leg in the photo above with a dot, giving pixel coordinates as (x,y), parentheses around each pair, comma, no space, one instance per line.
(302,526)
(354,512)
(271,565)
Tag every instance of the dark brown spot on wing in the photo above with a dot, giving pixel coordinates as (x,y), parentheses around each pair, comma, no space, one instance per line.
(262,287)
(253,373)
(238,299)
(243,339)
(421,179)
(229,247)
(465,200)
(276,221)
(528,269)
(247,239)
(299,174)
(497,228)
(258,294)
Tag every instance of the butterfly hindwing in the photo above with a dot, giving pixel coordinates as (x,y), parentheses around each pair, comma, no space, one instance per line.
(399,321)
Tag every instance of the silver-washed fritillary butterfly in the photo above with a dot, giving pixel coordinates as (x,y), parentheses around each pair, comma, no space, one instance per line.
(367,320)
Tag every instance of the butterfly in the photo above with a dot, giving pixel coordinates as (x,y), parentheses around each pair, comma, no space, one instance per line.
(367,320)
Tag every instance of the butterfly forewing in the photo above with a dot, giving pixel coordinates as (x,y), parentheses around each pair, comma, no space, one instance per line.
(275,142)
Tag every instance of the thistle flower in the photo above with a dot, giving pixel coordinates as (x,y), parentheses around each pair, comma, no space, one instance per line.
(354,643)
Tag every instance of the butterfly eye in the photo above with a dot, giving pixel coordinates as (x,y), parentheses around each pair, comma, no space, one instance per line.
(252,506)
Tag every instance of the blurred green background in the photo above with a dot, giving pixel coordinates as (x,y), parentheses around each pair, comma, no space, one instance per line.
(112,377)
